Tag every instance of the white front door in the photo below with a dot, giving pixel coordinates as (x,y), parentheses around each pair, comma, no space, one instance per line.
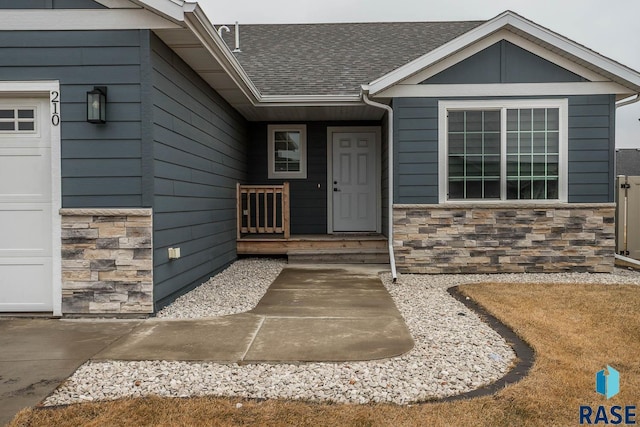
(25,206)
(355,198)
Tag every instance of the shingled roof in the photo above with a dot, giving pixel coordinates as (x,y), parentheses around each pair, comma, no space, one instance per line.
(334,59)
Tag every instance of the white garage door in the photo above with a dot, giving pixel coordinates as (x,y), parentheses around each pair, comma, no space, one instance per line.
(25,206)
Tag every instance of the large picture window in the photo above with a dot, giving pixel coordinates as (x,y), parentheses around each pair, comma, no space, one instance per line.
(503,150)
(287,156)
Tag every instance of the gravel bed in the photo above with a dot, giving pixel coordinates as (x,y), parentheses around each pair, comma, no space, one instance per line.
(234,290)
(454,350)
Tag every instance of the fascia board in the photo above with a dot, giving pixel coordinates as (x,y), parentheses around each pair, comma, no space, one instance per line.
(199,24)
(505,20)
(169,9)
(310,100)
(83,19)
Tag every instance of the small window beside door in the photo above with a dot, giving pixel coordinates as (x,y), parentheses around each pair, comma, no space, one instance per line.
(287,156)
(17,120)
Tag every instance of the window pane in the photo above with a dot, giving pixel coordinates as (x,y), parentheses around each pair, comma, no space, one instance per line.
(492,143)
(492,189)
(456,143)
(552,189)
(7,114)
(492,121)
(539,119)
(287,151)
(456,121)
(293,166)
(539,165)
(456,189)
(512,189)
(553,120)
(512,165)
(512,120)
(552,143)
(474,143)
(525,120)
(26,126)
(474,189)
(512,143)
(539,142)
(474,121)
(474,166)
(456,166)
(25,114)
(492,166)
(7,126)
(532,170)
(525,190)
(473,150)
(525,142)
(280,136)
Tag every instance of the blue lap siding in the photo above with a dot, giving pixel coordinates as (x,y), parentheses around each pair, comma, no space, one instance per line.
(591,149)
(101,164)
(199,154)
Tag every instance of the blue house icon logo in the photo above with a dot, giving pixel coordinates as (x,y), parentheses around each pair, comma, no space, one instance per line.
(608,382)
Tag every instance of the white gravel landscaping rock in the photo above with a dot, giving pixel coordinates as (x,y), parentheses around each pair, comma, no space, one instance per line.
(454,350)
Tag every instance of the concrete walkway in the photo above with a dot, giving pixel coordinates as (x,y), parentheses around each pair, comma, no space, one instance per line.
(306,315)
(319,315)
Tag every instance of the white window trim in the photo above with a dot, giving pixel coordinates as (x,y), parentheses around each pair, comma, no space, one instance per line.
(563,157)
(272,173)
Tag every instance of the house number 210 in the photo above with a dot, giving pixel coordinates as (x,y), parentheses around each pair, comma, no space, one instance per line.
(55,107)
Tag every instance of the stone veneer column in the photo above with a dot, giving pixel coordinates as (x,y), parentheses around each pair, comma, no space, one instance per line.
(107,262)
(504,238)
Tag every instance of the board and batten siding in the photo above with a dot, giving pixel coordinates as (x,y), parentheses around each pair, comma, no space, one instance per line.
(591,149)
(199,154)
(101,164)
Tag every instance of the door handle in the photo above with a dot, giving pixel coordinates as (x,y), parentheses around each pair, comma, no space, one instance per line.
(336,189)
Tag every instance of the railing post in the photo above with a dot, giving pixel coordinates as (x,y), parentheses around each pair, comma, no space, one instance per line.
(285,211)
(238,210)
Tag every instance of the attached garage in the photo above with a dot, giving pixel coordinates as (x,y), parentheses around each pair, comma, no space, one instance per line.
(29,201)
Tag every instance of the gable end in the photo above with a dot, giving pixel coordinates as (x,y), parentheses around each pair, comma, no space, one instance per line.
(504,62)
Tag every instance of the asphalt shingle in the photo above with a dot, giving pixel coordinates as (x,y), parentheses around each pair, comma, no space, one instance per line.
(334,59)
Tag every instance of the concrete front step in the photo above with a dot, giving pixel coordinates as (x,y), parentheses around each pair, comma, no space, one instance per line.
(339,256)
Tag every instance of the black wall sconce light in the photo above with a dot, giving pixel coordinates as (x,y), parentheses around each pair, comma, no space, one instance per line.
(97,105)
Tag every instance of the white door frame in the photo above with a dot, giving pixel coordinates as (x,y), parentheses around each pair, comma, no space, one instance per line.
(378,147)
(50,89)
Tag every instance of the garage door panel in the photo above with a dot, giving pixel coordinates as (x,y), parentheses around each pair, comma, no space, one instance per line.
(32,166)
(25,230)
(25,284)
(26,250)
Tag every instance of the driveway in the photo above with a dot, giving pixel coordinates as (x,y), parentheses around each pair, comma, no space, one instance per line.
(36,355)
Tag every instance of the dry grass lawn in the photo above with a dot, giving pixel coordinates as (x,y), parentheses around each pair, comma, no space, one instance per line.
(575,330)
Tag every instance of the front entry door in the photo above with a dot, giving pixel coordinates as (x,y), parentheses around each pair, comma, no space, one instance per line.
(355,207)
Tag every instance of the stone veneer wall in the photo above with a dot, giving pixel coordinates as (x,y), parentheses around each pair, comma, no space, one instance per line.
(504,238)
(107,262)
